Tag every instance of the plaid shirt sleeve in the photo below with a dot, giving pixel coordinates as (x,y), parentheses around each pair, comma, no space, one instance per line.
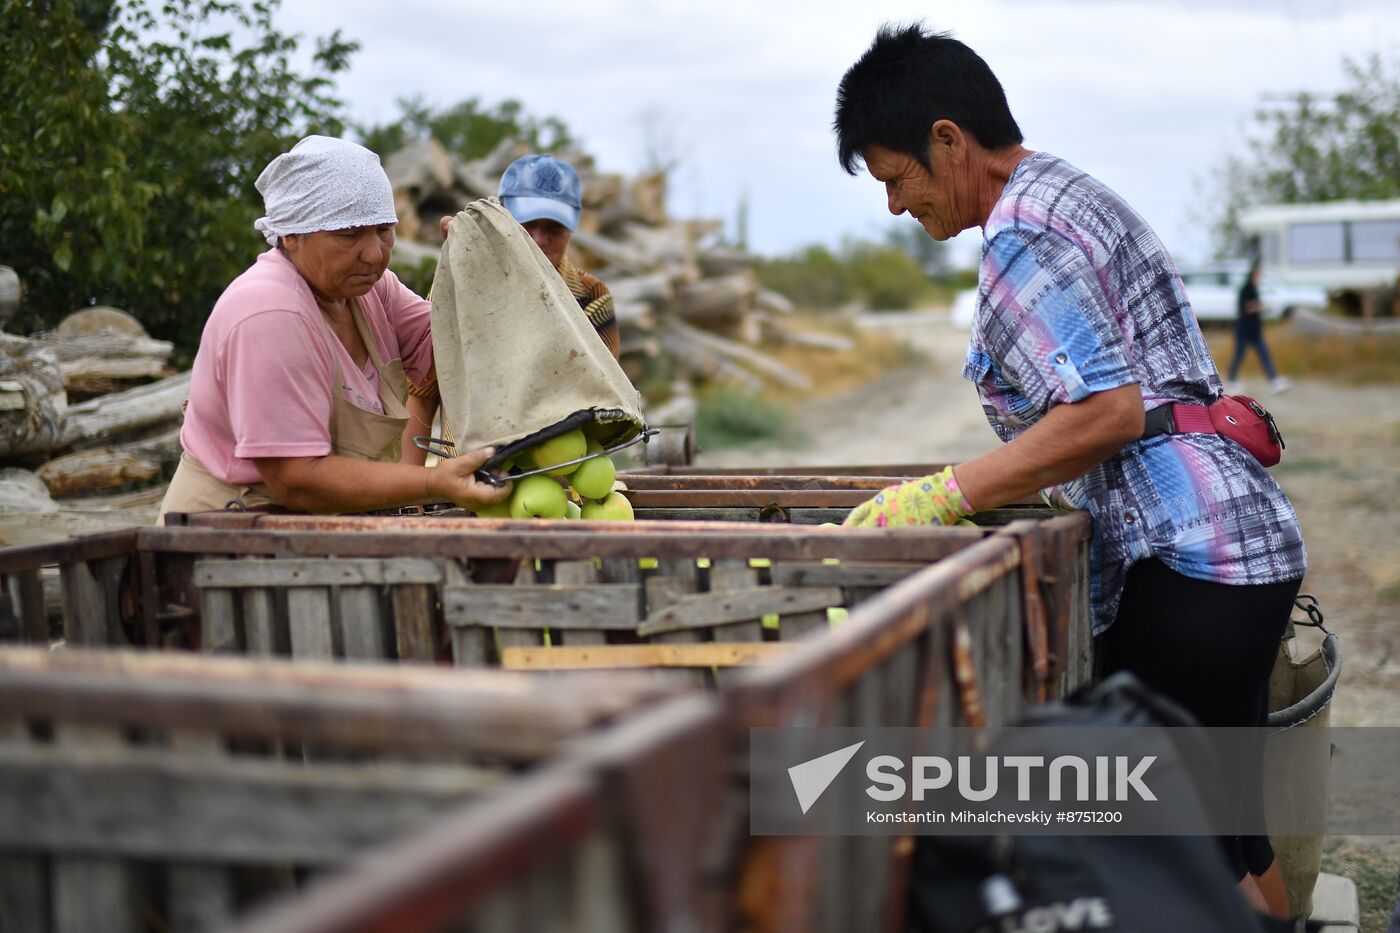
(1048,323)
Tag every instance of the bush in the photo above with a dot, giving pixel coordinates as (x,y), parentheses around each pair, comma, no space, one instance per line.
(811,278)
(729,417)
(886,279)
(132,136)
(878,276)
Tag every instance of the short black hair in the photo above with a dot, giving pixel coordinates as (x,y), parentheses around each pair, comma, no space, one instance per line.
(908,80)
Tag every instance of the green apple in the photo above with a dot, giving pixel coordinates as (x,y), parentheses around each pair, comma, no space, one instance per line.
(594,478)
(494,510)
(572,510)
(538,497)
(560,449)
(615,508)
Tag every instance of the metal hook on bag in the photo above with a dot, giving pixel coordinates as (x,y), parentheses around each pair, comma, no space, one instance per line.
(1309,604)
(437,446)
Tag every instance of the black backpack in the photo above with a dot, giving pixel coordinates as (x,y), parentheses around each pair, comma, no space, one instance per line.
(1086,884)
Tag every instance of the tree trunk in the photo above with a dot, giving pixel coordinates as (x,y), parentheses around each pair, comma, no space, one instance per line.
(103,468)
(113,415)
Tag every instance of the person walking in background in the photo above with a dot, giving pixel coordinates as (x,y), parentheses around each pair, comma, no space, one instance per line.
(1249,331)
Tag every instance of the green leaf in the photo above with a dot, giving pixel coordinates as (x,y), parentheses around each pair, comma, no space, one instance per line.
(59,209)
(63,256)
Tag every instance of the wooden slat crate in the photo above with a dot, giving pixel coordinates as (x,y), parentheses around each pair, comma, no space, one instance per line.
(945,646)
(698,597)
(999,619)
(158,791)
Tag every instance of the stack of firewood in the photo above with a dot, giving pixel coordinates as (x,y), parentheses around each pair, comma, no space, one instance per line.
(682,297)
(78,405)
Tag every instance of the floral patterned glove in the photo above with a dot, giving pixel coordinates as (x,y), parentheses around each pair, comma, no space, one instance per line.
(931,500)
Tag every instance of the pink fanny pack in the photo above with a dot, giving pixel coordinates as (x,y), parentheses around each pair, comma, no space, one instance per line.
(1238,417)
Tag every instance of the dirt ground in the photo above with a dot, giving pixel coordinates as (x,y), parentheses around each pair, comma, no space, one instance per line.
(1341,469)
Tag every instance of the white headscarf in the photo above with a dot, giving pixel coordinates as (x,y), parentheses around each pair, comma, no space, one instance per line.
(324,184)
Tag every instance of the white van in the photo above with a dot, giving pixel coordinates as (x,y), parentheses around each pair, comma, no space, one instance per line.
(1333,245)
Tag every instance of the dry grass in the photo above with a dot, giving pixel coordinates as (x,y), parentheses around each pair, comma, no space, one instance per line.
(1355,361)
(833,371)
(1373,871)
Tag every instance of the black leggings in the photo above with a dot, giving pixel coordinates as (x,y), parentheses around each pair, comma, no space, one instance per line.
(1211,648)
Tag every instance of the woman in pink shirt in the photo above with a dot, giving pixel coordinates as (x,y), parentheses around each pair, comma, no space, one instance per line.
(299,389)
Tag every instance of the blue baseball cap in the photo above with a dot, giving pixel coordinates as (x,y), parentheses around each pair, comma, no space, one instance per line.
(541,187)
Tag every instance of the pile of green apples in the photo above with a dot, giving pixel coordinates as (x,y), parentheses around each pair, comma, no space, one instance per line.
(590,494)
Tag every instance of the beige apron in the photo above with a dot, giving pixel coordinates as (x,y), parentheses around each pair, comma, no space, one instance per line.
(355,432)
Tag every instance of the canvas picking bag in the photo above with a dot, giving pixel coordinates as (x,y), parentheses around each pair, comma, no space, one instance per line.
(518,362)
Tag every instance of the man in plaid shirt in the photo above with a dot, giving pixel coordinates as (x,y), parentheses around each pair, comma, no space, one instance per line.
(1082,326)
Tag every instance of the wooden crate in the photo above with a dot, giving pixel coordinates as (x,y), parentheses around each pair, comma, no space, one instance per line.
(946,626)
(160,791)
(946,646)
(691,596)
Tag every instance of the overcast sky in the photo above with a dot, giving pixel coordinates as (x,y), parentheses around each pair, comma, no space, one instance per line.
(1147,95)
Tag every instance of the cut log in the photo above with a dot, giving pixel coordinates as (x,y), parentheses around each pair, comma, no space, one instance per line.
(649,198)
(725,260)
(779,332)
(32,398)
(422,165)
(103,468)
(497,160)
(769,300)
(670,246)
(100,319)
(121,412)
(94,471)
(97,363)
(705,363)
(725,298)
(602,191)
(626,259)
(643,199)
(634,315)
(654,289)
(94,376)
(10,293)
(107,344)
(780,373)
(474,179)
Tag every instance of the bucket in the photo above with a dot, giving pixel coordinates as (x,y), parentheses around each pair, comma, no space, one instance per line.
(1300,696)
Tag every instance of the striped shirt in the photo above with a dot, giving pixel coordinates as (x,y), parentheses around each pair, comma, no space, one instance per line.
(1076,295)
(595,300)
